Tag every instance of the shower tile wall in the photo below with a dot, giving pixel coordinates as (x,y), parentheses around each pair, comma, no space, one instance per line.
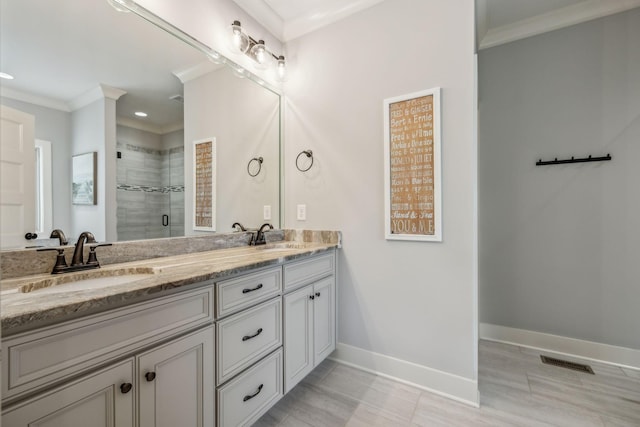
(150,184)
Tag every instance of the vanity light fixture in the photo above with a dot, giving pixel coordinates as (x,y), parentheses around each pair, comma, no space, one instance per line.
(140,114)
(6,76)
(241,42)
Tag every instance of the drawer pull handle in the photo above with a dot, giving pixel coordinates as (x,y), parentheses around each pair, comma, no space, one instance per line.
(150,376)
(246,290)
(317,294)
(248,337)
(251,396)
(312,297)
(126,388)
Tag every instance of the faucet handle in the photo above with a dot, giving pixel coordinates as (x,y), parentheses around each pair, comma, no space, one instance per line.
(61,262)
(92,259)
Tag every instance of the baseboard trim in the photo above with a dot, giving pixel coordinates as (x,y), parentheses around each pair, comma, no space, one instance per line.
(605,353)
(432,380)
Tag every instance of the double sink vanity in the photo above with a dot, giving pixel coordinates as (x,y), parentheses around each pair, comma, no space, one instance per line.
(214,336)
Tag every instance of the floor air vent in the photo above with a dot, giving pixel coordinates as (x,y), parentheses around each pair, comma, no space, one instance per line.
(566,364)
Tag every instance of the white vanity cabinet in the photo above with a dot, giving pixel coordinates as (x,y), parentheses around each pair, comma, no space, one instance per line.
(249,346)
(166,378)
(175,382)
(104,398)
(309,317)
(173,360)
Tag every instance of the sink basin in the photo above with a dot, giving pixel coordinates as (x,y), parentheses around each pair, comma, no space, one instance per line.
(85,280)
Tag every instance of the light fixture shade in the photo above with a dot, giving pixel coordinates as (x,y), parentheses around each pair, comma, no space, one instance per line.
(281,69)
(238,39)
(261,55)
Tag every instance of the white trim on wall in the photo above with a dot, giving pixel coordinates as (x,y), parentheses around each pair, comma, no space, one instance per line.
(44,219)
(620,356)
(442,383)
(554,20)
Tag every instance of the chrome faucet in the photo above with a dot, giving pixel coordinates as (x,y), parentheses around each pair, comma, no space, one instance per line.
(58,234)
(78,253)
(258,239)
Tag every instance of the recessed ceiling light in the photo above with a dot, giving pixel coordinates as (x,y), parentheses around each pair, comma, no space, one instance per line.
(140,114)
(6,76)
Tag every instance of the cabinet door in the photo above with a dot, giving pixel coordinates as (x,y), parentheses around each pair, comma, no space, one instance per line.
(324,319)
(102,399)
(298,336)
(176,382)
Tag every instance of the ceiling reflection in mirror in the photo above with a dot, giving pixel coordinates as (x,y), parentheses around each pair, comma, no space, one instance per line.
(61,53)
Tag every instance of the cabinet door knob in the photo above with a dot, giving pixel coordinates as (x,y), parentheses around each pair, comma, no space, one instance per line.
(248,337)
(150,376)
(312,297)
(126,388)
(317,294)
(251,396)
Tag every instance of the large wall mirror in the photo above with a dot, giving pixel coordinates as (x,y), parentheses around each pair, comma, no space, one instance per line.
(84,70)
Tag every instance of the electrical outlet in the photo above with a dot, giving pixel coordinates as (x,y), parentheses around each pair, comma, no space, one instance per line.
(266,212)
(302,212)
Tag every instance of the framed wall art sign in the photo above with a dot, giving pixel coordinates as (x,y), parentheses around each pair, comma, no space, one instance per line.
(412,167)
(204,185)
(84,171)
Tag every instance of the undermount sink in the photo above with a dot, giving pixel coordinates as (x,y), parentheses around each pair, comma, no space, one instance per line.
(87,280)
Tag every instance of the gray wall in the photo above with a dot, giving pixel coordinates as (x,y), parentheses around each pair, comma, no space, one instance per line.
(55,126)
(413,301)
(410,302)
(244,118)
(559,245)
(88,135)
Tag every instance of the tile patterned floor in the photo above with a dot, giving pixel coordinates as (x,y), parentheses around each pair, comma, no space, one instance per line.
(516,389)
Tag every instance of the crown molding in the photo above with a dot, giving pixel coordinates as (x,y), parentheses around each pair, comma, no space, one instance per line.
(288,30)
(30,98)
(319,18)
(559,18)
(198,70)
(110,92)
(262,13)
(101,91)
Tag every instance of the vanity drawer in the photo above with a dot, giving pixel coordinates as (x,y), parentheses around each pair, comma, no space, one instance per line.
(245,337)
(242,292)
(243,400)
(309,270)
(48,355)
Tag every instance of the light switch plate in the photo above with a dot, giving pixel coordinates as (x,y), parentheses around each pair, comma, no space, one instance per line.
(266,212)
(302,212)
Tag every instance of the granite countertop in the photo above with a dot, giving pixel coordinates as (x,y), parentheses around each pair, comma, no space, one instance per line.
(130,281)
